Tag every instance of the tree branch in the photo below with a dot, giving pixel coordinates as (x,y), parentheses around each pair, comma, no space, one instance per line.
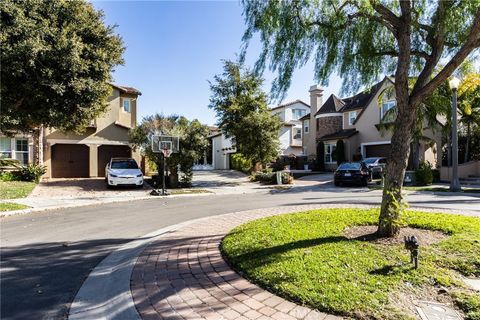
(472,42)
(386,13)
(436,39)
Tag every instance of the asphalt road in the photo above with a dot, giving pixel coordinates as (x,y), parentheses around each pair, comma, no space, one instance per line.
(46,256)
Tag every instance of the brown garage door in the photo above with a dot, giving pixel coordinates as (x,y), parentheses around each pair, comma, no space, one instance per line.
(105,153)
(379,150)
(70,161)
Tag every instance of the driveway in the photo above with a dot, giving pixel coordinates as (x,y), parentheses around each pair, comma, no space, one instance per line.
(226,182)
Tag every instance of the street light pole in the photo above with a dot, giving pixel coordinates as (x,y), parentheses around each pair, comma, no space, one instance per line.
(455,182)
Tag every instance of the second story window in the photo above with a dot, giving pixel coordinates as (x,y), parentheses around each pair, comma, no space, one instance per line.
(306,124)
(386,106)
(297,133)
(126,105)
(352,116)
(298,113)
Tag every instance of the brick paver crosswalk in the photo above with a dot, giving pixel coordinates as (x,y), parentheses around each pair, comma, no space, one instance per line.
(184,276)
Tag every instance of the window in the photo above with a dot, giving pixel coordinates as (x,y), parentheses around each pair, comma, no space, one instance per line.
(385,107)
(126,105)
(21,151)
(297,133)
(330,156)
(352,116)
(5,147)
(298,113)
(306,124)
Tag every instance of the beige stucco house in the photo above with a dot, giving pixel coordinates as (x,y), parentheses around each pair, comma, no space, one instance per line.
(358,122)
(291,132)
(71,155)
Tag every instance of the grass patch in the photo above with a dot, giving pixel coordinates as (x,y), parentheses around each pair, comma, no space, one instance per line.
(187,191)
(305,257)
(15,189)
(7,206)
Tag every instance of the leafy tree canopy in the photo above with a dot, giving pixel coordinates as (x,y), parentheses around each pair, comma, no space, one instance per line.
(57,58)
(243,114)
(193,141)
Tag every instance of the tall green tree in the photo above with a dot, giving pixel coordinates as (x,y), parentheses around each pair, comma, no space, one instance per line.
(362,39)
(241,108)
(193,143)
(57,58)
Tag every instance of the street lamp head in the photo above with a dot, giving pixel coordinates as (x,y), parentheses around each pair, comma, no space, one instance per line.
(454,83)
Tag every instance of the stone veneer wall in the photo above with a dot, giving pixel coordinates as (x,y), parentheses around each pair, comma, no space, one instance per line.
(328,125)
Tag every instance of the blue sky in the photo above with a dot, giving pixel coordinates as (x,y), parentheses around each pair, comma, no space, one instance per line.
(174,48)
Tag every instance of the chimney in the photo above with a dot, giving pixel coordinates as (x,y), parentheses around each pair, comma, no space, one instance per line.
(316,94)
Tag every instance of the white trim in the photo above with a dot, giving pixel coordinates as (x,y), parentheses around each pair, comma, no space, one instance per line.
(51,142)
(373,143)
(129,105)
(324,115)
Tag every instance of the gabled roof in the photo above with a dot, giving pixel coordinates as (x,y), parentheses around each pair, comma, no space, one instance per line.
(367,99)
(332,105)
(289,104)
(342,134)
(124,89)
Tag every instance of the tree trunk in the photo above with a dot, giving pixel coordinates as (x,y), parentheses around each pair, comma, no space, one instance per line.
(388,224)
(467,146)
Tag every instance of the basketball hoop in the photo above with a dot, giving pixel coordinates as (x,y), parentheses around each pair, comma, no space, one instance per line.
(165,145)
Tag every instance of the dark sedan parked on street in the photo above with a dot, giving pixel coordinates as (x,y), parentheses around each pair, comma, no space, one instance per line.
(352,173)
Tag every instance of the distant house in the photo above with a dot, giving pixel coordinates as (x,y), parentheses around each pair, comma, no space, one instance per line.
(71,155)
(291,133)
(360,122)
(222,149)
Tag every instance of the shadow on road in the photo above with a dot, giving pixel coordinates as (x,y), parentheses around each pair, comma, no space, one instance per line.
(39,281)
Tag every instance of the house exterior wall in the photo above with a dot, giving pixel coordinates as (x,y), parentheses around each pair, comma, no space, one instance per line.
(222,148)
(289,145)
(111,128)
(328,124)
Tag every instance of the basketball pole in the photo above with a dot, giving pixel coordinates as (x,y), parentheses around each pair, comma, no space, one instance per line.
(163,175)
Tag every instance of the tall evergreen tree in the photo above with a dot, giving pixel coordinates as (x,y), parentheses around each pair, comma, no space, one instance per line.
(57,58)
(241,108)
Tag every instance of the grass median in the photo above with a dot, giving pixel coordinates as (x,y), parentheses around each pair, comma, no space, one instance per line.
(15,189)
(323,260)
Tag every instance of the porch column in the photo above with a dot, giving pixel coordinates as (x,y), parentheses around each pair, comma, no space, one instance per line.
(93,159)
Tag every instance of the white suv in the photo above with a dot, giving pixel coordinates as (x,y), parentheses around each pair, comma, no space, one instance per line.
(123,171)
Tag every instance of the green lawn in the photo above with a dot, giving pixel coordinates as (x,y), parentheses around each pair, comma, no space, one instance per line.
(15,189)
(187,191)
(305,257)
(6,206)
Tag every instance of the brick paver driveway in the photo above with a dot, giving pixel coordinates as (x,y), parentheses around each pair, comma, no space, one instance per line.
(183,276)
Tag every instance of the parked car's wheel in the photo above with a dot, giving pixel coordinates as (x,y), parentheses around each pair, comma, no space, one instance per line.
(109,186)
(140,186)
(336,183)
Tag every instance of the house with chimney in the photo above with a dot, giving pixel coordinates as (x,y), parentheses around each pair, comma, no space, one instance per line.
(291,132)
(360,122)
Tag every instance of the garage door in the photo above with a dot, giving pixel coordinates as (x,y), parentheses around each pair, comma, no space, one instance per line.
(379,150)
(105,153)
(70,161)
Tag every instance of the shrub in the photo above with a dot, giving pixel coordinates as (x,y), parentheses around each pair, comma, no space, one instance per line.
(32,172)
(424,174)
(9,176)
(340,152)
(271,177)
(9,163)
(240,163)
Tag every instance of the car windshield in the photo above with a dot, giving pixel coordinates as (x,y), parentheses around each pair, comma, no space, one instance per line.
(124,164)
(370,160)
(349,166)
